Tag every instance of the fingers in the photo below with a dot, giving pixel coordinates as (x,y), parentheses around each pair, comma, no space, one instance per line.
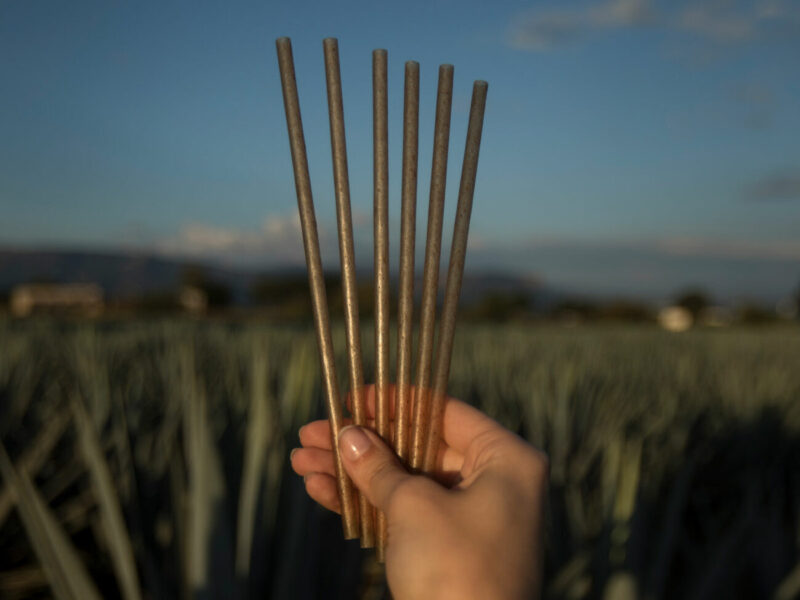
(312,460)
(316,435)
(461,422)
(322,489)
(372,465)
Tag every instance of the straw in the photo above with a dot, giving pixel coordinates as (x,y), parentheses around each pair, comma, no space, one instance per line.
(458,251)
(430,277)
(380,119)
(408,223)
(347,257)
(305,205)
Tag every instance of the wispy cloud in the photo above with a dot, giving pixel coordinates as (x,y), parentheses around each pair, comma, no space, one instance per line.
(687,246)
(718,21)
(542,30)
(767,250)
(778,186)
(277,240)
(647,267)
(654,268)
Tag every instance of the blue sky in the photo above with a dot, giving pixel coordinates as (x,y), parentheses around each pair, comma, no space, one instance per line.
(630,146)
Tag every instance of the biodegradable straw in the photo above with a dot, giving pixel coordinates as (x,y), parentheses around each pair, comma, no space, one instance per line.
(430,277)
(380,144)
(447,324)
(316,282)
(408,224)
(347,256)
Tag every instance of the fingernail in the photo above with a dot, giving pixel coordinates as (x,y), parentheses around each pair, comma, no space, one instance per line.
(291,454)
(353,442)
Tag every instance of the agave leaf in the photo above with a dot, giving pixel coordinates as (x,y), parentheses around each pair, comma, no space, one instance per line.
(62,565)
(205,482)
(112,521)
(628,483)
(789,588)
(259,428)
(34,456)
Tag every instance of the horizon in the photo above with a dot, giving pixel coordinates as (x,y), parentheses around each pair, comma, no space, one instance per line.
(635,147)
(527,280)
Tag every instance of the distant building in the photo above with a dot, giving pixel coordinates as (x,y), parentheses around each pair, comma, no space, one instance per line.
(193,300)
(85,298)
(675,318)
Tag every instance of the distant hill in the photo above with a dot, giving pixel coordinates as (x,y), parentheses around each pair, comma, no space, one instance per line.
(125,275)
(121,275)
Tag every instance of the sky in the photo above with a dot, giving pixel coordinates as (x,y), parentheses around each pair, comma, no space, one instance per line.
(629,147)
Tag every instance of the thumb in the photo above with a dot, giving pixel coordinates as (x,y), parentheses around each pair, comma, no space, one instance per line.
(372,466)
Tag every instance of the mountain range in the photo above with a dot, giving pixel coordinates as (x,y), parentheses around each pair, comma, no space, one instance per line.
(125,275)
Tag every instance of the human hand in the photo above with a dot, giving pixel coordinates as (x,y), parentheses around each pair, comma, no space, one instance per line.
(475,532)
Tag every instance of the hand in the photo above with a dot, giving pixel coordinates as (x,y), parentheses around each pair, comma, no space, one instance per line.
(477,536)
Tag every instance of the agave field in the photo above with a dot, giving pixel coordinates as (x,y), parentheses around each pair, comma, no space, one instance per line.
(149,459)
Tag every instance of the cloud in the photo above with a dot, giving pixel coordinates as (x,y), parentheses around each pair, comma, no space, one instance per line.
(766,250)
(545,29)
(778,186)
(646,267)
(278,241)
(735,22)
(719,20)
(722,22)
(685,246)
(649,268)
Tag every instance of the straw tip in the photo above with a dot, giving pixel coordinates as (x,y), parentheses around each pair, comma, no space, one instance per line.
(380,51)
(480,83)
(330,41)
(412,64)
(446,67)
(283,40)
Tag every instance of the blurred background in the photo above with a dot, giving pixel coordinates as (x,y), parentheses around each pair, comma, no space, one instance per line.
(630,300)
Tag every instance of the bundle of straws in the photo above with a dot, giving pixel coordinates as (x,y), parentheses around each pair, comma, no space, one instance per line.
(416,439)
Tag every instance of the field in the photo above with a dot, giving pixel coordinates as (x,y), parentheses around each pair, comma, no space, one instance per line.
(148,459)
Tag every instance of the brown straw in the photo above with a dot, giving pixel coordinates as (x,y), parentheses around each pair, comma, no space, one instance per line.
(347,257)
(455,271)
(316,282)
(430,277)
(408,224)
(380,120)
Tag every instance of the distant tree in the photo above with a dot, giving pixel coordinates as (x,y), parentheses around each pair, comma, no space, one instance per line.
(273,290)
(194,275)
(797,299)
(695,300)
(219,295)
(755,314)
(286,296)
(499,306)
(627,310)
(576,308)
(158,302)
